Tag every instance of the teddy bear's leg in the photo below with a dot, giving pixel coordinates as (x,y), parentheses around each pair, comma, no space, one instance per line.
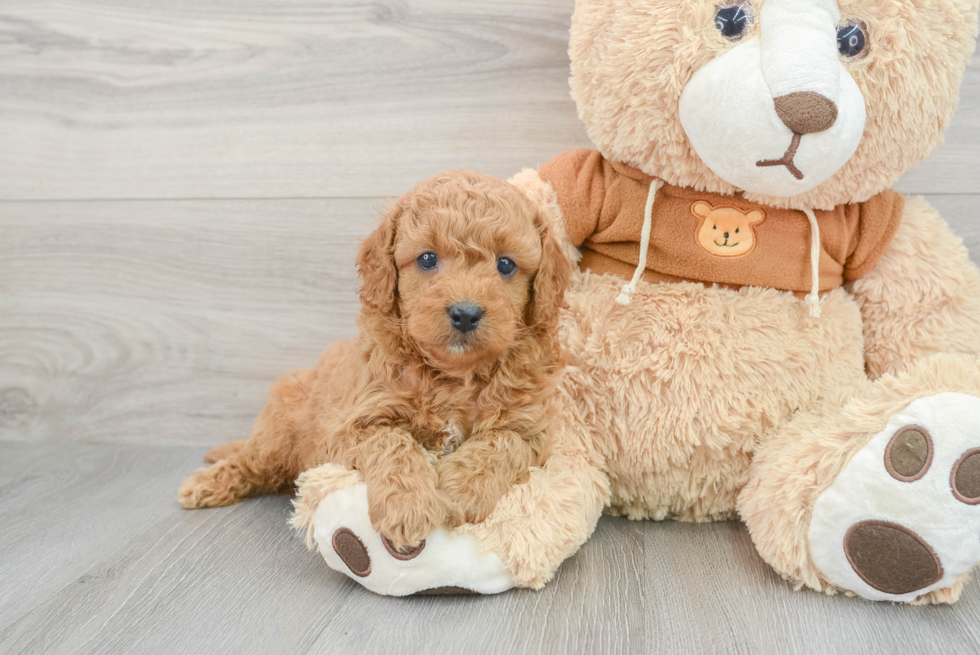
(531,531)
(922,298)
(877,491)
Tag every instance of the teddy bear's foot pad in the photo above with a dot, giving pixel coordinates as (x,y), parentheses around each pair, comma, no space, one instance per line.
(903,517)
(891,558)
(445,563)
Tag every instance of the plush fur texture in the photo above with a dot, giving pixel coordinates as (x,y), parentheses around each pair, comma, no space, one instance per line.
(677,387)
(411,382)
(631,62)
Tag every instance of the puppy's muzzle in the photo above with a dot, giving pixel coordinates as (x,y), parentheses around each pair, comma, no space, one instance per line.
(465,316)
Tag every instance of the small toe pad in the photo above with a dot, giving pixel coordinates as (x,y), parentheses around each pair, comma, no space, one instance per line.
(405,554)
(909,453)
(965,478)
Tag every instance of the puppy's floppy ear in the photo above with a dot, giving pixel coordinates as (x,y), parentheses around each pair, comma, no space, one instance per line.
(552,279)
(376,264)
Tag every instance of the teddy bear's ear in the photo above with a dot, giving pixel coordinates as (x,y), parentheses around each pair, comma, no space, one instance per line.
(702,209)
(755,216)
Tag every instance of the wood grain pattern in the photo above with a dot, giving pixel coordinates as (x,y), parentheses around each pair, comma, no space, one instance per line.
(86,505)
(752,610)
(166,322)
(304,98)
(230,580)
(211,98)
(98,558)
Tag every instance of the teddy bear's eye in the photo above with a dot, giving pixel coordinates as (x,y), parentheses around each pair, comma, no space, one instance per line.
(852,40)
(733,21)
(736,230)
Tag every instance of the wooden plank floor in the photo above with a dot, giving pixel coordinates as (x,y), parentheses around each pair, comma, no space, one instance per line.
(182,186)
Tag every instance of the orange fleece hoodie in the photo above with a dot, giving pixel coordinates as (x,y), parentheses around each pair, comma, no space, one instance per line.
(708,237)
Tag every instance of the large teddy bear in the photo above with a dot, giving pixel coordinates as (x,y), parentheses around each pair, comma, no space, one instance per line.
(761,328)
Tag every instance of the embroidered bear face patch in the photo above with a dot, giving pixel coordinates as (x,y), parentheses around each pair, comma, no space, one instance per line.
(726,232)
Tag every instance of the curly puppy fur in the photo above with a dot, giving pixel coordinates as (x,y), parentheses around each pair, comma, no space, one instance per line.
(410,382)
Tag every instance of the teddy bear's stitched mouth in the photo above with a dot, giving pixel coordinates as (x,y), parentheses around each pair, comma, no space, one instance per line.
(787,159)
(726,244)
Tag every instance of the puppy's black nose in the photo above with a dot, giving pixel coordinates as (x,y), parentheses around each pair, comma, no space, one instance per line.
(465,316)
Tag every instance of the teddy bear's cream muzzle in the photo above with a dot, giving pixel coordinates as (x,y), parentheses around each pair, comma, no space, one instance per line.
(777,114)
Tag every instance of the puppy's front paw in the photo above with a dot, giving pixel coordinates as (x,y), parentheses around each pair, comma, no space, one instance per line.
(406,516)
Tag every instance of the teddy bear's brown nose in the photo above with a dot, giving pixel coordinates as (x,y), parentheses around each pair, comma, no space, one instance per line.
(806,112)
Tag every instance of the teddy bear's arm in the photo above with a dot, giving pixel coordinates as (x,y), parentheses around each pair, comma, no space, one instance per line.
(483,469)
(922,298)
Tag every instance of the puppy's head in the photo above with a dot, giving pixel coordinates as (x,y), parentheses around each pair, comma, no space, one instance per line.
(463,267)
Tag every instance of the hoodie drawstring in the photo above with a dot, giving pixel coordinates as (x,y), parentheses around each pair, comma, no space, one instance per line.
(813,299)
(625,296)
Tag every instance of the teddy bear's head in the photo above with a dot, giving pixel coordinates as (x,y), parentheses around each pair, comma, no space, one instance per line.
(798,103)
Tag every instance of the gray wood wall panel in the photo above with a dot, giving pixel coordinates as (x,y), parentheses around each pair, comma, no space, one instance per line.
(166,322)
(285,99)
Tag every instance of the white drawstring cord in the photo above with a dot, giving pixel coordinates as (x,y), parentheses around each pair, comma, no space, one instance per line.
(626,294)
(813,299)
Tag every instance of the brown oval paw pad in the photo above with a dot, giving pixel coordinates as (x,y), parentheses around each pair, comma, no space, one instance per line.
(351,550)
(406,553)
(965,478)
(890,557)
(909,453)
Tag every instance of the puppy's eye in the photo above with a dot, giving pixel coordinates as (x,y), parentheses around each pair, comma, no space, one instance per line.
(852,40)
(733,21)
(506,266)
(427,261)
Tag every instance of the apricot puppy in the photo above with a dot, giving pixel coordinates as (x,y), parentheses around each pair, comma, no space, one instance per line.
(457,355)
